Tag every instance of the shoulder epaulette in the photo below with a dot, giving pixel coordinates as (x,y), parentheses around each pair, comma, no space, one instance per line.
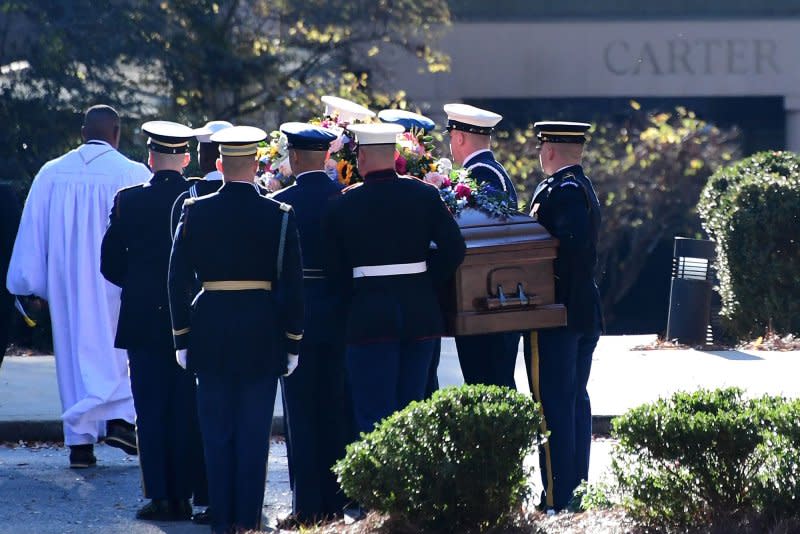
(132,187)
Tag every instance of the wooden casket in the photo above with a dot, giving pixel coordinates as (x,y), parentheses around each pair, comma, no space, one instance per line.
(506,281)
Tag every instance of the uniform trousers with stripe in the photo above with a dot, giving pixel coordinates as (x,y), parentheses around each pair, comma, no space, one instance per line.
(170,450)
(236,419)
(558,362)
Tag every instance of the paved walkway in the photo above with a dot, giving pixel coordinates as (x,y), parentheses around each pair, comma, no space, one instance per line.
(621,378)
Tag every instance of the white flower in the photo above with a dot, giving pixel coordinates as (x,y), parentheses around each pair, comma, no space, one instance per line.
(283,144)
(284,168)
(444,166)
(330,169)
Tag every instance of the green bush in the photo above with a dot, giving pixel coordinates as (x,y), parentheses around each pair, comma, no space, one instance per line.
(453,463)
(752,211)
(709,458)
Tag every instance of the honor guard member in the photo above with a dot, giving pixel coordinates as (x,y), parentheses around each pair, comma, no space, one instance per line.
(378,235)
(317,402)
(207,160)
(484,358)
(135,256)
(559,359)
(414,122)
(236,335)
(211,181)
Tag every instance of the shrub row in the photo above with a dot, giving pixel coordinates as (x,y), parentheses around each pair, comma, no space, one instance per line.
(709,461)
(453,463)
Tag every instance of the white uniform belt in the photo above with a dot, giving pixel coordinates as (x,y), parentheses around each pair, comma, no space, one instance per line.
(390,270)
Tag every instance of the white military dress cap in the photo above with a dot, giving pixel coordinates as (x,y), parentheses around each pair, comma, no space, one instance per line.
(204,134)
(376,134)
(471,119)
(239,140)
(346,110)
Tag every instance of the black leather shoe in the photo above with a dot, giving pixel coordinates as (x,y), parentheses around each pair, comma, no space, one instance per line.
(81,456)
(181,509)
(165,510)
(155,510)
(122,435)
(202,518)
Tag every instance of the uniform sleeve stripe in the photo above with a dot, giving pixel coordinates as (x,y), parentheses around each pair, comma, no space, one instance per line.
(294,337)
(181,331)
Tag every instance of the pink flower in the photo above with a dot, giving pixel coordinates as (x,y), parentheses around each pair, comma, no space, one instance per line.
(462,190)
(434,178)
(446,182)
(336,145)
(400,163)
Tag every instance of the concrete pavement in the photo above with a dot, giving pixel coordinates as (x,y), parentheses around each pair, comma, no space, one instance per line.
(621,379)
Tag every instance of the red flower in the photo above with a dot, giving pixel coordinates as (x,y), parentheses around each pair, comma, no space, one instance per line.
(462,190)
(400,163)
(446,182)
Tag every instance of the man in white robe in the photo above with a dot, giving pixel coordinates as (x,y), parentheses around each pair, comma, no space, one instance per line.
(57,257)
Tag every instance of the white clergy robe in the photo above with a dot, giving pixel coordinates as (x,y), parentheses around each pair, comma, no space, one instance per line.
(57,257)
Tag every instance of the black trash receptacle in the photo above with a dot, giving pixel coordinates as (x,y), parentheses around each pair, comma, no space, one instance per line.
(690,292)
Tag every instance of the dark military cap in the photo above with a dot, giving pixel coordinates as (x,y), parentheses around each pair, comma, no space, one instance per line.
(304,136)
(167,137)
(239,140)
(561,132)
(406,119)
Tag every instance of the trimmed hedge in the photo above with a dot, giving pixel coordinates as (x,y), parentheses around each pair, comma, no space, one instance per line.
(710,461)
(453,463)
(752,211)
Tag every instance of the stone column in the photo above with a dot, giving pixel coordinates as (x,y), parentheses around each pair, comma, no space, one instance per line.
(791,104)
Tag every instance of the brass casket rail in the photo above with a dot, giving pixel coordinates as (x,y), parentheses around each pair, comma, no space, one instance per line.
(506,281)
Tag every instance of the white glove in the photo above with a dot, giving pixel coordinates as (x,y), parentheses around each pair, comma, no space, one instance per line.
(180,356)
(292,360)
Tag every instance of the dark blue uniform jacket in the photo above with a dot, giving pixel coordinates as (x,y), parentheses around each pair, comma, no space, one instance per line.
(309,197)
(485,169)
(135,257)
(234,235)
(567,206)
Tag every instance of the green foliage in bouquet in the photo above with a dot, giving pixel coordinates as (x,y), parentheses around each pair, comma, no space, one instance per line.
(752,210)
(709,459)
(453,463)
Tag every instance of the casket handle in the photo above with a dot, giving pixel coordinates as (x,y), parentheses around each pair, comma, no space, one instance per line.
(520,300)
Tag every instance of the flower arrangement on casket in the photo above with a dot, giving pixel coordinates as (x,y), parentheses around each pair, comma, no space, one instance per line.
(459,190)
(413,154)
(273,159)
(342,162)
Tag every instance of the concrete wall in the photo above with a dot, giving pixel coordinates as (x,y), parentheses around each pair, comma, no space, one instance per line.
(614,59)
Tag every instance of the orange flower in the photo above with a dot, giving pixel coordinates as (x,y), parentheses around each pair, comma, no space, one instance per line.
(349,174)
(340,172)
